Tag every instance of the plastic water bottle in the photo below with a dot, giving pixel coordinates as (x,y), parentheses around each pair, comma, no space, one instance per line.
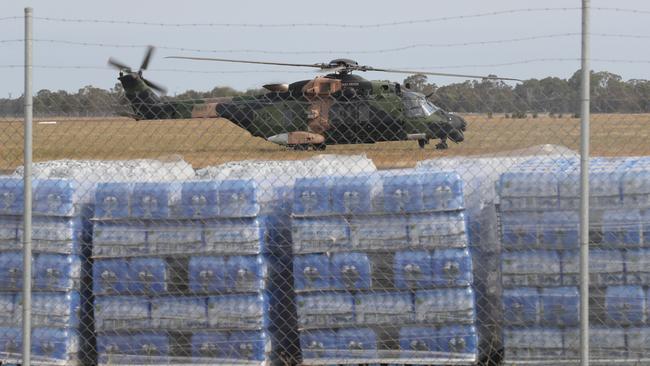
(111,276)
(11,196)
(413,270)
(354,194)
(238,198)
(57,272)
(559,230)
(351,271)
(200,199)
(312,272)
(445,306)
(606,267)
(179,313)
(438,230)
(452,267)
(530,268)
(113,200)
(458,341)
(11,340)
(247,273)
(207,274)
(525,344)
(122,313)
(239,311)
(8,312)
(402,193)
(378,233)
(442,191)
(148,276)
(622,228)
(56,197)
(154,200)
(323,310)
(520,230)
(637,266)
(625,305)
(358,343)
(638,339)
(119,239)
(55,344)
(10,227)
(250,345)
(209,346)
(521,306)
(560,306)
(175,238)
(54,309)
(383,308)
(318,344)
(236,236)
(312,196)
(11,271)
(419,342)
(320,234)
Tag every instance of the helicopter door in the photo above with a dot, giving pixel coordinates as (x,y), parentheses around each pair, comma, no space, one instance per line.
(318,92)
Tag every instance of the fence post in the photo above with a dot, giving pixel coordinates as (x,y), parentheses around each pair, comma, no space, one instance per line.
(27,214)
(584,189)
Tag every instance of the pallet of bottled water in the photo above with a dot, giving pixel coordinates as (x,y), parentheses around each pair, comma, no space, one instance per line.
(191,272)
(540,261)
(61,273)
(382,269)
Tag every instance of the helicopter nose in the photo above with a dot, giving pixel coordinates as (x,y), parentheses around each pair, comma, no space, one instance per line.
(458,122)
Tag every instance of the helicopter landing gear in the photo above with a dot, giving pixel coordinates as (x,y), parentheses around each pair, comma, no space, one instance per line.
(442,145)
(320,147)
(422,143)
(301,147)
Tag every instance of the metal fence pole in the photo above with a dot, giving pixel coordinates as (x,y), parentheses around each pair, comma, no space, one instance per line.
(27,215)
(584,190)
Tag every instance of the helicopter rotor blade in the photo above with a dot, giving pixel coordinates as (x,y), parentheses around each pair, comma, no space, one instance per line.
(147,58)
(488,77)
(319,66)
(155,86)
(118,65)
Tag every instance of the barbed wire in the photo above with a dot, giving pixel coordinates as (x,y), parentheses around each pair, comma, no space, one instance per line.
(427,67)
(294,25)
(408,22)
(316,52)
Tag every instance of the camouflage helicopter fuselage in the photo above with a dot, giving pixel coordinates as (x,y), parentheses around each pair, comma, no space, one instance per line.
(327,110)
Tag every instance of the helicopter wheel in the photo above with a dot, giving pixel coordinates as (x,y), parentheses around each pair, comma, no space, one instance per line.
(422,143)
(320,147)
(301,147)
(442,145)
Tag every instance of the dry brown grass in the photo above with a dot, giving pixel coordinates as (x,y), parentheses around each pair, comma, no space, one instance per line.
(213,141)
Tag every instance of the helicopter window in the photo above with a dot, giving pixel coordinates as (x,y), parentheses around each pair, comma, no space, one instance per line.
(416,105)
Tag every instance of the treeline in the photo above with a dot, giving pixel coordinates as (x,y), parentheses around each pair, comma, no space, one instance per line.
(609,94)
(90,101)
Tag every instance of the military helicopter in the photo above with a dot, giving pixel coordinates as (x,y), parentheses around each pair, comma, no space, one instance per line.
(337,108)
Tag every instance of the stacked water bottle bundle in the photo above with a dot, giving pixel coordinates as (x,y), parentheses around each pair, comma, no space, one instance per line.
(382,270)
(60,304)
(190,272)
(540,260)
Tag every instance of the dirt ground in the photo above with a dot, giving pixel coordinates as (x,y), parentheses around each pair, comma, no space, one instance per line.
(213,141)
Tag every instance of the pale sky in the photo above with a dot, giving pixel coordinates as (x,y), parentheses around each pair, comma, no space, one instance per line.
(460,57)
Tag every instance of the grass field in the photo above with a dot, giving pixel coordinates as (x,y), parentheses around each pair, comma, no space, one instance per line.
(214,141)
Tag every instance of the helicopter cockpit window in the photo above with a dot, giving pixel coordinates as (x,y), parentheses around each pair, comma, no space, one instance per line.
(416,105)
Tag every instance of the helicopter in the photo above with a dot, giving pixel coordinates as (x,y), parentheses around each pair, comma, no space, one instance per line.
(337,108)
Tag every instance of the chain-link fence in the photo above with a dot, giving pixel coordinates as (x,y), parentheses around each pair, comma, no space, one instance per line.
(313,223)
